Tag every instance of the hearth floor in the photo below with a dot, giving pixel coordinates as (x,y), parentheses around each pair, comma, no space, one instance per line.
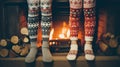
(61,61)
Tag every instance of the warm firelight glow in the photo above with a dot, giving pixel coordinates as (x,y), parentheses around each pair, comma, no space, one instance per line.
(61,36)
(65,31)
(68,33)
(64,34)
(51,34)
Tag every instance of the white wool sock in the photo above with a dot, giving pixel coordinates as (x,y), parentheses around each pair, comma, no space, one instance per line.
(32,54)
(88,48)
(73,51)
(47,57)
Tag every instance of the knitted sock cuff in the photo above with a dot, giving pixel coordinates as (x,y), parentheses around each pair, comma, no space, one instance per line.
(89,3)
(88,38)
(75,4)
(73,38)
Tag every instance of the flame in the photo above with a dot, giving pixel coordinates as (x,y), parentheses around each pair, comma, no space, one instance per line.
(51,34)
(68,33)
(61,36)
(65,31)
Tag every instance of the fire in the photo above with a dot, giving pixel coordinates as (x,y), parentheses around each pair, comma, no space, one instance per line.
(68,33)
(51,34)
(65,32)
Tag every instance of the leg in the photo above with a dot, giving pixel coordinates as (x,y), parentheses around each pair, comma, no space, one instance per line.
(90,22)
(33,22)
(46,21)
(74,20)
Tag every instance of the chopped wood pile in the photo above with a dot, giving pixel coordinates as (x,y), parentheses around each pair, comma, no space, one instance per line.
(109,44)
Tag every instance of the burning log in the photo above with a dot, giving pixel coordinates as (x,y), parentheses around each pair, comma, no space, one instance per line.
(4,52)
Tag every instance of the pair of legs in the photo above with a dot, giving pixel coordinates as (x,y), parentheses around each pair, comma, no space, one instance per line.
(34,8)
(76,7)
(46,20)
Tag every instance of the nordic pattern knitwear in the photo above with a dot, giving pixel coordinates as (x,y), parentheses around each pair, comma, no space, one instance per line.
(46,7)
(46,20)
(74,18)
(90,17)
(33,18)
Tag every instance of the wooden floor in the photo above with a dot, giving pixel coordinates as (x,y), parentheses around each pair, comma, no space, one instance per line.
(61,61)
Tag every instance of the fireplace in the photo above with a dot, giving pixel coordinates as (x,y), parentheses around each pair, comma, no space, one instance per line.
(13,12)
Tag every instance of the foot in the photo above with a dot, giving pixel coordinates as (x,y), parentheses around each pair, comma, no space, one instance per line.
(73,52)
(89,54)
(31,55)
(47,56)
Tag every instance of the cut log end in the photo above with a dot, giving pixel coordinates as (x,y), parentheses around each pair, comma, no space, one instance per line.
(24,31)
(16,49)
(14,39)
(25,40)
(4,52)
(3,43)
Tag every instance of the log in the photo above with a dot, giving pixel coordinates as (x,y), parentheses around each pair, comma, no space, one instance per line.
(24,31)
(24,51)
(110,40)
(3,42)
(12,54)
(16,49)
(4,52)
(106,37)
(113,43)
(103,47)
(25,39)
(14,39)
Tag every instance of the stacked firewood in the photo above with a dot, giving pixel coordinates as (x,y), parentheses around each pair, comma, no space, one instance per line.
(109,44)
(14,46)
